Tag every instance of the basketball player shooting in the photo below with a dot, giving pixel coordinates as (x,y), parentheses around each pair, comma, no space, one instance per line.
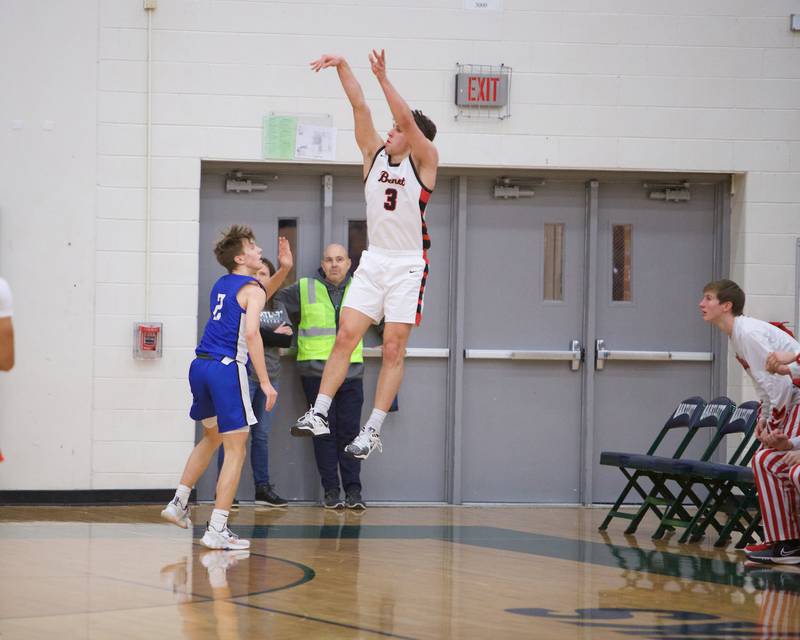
(399,177)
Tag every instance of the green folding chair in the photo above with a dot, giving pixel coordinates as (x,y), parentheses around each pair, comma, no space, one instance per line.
(685,416)
(740,510)
(665,473)
(697,476)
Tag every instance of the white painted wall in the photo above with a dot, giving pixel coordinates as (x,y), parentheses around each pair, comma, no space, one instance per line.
(48,167)
(685,85)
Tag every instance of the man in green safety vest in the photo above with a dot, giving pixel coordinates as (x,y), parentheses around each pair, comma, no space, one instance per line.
(313,305)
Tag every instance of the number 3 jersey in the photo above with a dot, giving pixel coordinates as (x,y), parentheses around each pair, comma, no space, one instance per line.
(396,200)
(224,336)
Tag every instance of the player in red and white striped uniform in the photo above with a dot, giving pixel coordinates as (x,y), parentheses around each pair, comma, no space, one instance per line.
(778,427)
(399,177)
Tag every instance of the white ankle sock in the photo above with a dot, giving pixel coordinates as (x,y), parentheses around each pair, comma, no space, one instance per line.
(322,404)
(219,519)
(375,421)
(182,494)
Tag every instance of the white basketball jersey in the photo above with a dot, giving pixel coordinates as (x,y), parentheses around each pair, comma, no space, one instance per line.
(396,200)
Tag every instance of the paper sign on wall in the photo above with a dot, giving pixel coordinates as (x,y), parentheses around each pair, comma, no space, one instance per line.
(279,133)
(315,142)
(308,137)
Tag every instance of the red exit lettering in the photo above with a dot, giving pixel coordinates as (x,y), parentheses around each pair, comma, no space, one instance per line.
(482,88)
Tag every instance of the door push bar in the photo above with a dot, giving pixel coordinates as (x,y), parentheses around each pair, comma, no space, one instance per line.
(411,352)
(574,355)
(603,354)
(377,352)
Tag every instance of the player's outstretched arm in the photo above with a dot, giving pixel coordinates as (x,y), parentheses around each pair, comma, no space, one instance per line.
(285,263)
(367,137)
(255,299)
(422,149)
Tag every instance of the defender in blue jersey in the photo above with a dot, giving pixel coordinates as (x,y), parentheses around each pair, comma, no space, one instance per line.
(218,379)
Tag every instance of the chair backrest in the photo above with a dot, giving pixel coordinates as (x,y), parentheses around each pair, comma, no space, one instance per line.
(716,415)
(744,421)
(685,416)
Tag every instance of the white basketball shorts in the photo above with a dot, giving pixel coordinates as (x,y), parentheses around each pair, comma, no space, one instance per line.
(389,285)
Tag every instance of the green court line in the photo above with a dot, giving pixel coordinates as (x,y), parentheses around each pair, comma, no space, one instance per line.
(666,563)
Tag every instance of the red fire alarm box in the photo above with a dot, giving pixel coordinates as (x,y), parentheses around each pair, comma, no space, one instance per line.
(147,340)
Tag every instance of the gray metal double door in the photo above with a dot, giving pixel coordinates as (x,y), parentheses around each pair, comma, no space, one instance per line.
(549,383)
(514,383)
(411,468)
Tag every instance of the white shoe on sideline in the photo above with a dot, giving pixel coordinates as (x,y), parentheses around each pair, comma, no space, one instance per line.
(225,539)
(177,514)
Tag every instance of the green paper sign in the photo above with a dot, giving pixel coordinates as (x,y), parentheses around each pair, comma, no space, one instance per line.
(279,135)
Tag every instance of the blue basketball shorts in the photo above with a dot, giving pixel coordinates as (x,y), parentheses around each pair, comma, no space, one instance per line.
(221,390)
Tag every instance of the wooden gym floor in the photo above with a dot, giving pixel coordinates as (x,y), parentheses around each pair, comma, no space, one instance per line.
(393,572)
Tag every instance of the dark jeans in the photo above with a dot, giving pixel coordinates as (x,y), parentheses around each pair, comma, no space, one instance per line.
(344,420)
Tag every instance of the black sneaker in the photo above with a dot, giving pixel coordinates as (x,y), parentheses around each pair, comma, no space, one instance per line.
(353,499)
(266,497)
(786,552)
(783,552)
(332,499)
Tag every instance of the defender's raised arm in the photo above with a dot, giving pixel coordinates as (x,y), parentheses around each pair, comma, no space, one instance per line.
(285,264)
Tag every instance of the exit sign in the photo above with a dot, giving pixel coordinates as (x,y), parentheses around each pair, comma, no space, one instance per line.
(481,89)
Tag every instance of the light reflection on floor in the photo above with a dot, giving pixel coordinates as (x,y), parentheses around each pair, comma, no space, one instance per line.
(437,572)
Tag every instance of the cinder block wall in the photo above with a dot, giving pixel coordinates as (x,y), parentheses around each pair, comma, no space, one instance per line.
(709,85)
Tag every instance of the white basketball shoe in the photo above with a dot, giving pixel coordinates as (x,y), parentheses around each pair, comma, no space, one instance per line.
(177,514)
(310,424)
(225,539)
(363,444)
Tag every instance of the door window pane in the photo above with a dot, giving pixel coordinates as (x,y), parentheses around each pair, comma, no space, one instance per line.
(621,263)
(553,262)
(287,227)
(356,241)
